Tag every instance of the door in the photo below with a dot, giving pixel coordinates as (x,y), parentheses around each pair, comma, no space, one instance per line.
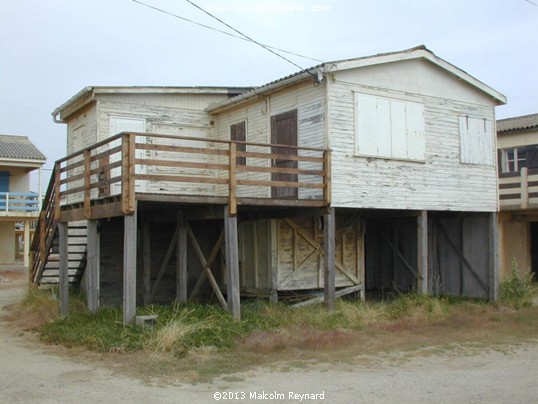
(123,124)
(284,132)
(4,188)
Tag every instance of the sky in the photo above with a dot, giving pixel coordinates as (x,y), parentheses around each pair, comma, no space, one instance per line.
(50,50)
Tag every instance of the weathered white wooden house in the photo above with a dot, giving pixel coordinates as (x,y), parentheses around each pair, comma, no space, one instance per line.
(517,143)
(369,173)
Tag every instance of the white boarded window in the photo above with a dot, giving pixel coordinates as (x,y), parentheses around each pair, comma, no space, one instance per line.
(388,127)
(476,140)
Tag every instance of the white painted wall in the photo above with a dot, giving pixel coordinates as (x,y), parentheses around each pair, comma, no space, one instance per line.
(440,181)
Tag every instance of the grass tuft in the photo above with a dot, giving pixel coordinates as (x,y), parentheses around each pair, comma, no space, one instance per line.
(517,289)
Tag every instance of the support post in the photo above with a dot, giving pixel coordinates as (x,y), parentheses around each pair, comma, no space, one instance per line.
(93,266)
(493,257)
(146,254)
(26,243)
(524,188)
(422,253)
(129,268)
(64,268)
(330,265)
(232,263)
(181,261)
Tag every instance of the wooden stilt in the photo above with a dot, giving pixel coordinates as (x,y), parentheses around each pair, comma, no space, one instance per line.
(92,266)
(181,262)
(129,268)
(64,268)
(146,257)
(330,268)
(27,243)
(232,263)
(422,253)
(493,257)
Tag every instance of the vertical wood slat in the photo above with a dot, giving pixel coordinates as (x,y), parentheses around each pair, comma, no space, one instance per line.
(232,263)
(57,189)
(493,256)
(87,184)
(361,257)
(64,268)
(42,237)
(524,188)
(422,253)
(327,177)
(129,268)
(273,259)
(128,173)
(93,265)
(232,184)
(181,261)
(330,264)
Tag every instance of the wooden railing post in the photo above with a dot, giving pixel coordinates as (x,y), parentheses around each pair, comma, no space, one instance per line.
(42,236)
(232,184)
(128,152)
(524,188)
(56,193)
(327,177)
(87,184)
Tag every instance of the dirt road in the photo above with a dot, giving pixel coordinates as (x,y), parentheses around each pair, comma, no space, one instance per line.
(28,373)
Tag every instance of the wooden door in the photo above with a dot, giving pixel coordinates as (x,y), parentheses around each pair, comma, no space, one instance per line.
(284,132)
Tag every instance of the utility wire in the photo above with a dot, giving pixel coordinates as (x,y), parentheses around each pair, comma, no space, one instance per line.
(532,2)
(243,38)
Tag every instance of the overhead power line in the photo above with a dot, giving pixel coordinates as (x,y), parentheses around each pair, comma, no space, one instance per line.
(243,38)
(244,35)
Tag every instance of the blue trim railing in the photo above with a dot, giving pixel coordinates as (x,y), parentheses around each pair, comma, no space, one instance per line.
(19,202)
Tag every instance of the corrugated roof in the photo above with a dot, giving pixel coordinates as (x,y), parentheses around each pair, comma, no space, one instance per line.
(19,147)
(517,123)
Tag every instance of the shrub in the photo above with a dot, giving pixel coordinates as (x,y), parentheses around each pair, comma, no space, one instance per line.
(516,289)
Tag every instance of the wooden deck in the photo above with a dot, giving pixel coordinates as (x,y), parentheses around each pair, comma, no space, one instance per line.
(108,178)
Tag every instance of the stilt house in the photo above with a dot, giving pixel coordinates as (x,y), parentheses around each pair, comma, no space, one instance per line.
(517,141)
(369,174)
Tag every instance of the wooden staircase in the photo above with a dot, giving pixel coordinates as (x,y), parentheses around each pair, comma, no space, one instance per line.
(44,266)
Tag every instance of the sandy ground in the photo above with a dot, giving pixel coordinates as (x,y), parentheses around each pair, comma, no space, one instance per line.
(28,373)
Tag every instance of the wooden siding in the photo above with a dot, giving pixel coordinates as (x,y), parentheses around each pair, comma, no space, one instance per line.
(309,102)
(439,182)
(168,121)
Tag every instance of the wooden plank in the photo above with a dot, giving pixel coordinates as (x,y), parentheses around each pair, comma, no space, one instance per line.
(330,272)
(281,202)
(280,156)
(181,262)
(63,282)
(524,188)
(57,191)
(462,256)
(280,184)
(146,258)
(125,174)
(191,199)
(327,179)
(131,176)
(232,182)
(129,269)
(339,293)
(206,267)
(92,266)
(493,245)
(273,260)
(87,184)
(232,263)
(422,253)
(210,260)
(361,256)
(258,169)
(106,153)
(181,164)
(180,149)
(182,178)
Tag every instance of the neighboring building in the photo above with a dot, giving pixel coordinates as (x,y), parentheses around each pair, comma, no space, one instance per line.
(19,206)
(517,141)
(372,173)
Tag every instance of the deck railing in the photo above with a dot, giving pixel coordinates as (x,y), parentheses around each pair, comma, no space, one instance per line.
(240,172)
(518,190)
(19,202)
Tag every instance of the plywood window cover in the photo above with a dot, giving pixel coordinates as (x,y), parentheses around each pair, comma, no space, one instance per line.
(403,126)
